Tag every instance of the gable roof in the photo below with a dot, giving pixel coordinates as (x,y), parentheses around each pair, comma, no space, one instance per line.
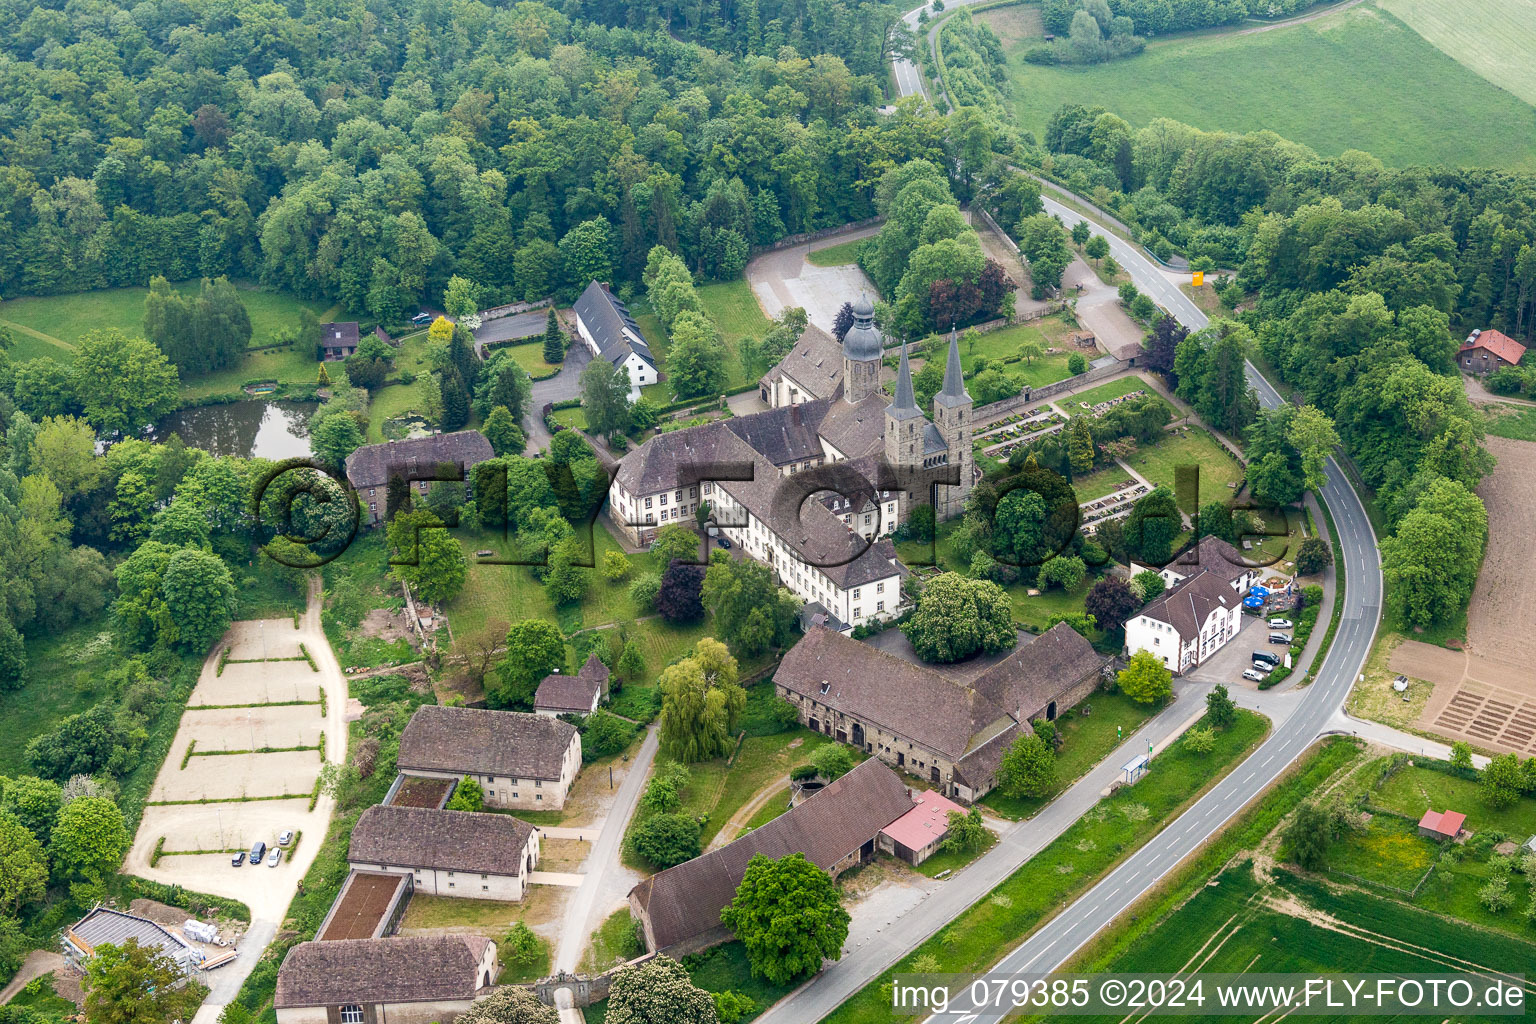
(423,837)
(1031,677)
(1447,823)
(815,363)
(926,821)
(560,692)
(1186,605)
(611,325)
(1497,342)
(402,969)
(686,900)
(373,464)
(475,741)
(339,335)
(1212,554)
(909,700)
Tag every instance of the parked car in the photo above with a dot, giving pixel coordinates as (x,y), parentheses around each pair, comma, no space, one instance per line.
(258,851)
(1279,638)
(1279,623)
(286,837)
(274,857)
(237,859)
(1254,675)
(724,542)
(422,318)
(1265,658)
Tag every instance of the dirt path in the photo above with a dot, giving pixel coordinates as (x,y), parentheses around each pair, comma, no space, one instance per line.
(38,963)
(1298,20)
(733,828)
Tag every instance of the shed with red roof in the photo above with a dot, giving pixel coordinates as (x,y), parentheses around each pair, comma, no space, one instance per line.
(916,835)
(1441,824)
(1488,351)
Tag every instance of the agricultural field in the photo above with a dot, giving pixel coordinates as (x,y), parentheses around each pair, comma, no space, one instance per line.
(1497,44)
(1358,79)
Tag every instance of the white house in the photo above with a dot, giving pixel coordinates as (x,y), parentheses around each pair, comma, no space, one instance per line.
(447,853)
(521,761)
(605,325)
(1188,623)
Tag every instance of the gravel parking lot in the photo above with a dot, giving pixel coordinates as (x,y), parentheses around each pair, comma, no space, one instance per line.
(268,682)
(293,725)
(263,638)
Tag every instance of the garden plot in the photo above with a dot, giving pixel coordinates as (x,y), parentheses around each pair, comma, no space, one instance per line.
(266,682)
(283,725)
(263,638)
(237,777)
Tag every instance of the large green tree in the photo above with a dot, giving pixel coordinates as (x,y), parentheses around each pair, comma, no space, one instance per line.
(1145,679)
(605,397)
(700,703)
(957,617)
(510,1005)
(428,556)
(658,991)
(123,384)
(751,613)
(199,597)
(134,984)
(1028,767)
(1431,564)
(89,838)
(789,915)
(23,865)
(535,649)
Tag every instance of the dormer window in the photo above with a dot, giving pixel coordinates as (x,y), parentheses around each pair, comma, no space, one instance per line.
(825,686)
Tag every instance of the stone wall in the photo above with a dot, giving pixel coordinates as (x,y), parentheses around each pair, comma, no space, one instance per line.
(997,410)
(789,241)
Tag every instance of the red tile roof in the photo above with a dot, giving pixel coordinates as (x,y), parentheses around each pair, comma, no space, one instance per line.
(1446,823)
(1500,344)
(926,821)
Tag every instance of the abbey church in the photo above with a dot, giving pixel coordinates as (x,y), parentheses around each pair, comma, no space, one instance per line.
(826,406)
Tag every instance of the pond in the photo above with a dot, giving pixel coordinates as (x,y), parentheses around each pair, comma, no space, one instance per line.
(268,430)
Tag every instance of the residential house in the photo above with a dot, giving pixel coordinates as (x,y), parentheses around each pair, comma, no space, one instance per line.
(521,761)
(561,694)
(1188,623)
(416,979)
(837,828)
(447,853)
(419,460)
(1486,351)
(610,332)
(337,341)
(950,726)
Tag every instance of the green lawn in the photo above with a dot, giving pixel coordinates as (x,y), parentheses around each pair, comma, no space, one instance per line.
(66,674)
(772,808)
(838,255)
(1412,791)
(1497,44)
(716,790)
(1086,740)
(1358,79)
(1004,344)
(1073,404)
(1388,851)
(1505,419)
(65,319)
(721,969)
(530,356)
(394,400)
(735,311)
(1220,472)
(614,940)
(954,860)
(1112,830)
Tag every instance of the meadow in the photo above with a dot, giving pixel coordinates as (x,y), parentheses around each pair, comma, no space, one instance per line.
(1359,79)
(1497,44)
(836,255)
(52,325)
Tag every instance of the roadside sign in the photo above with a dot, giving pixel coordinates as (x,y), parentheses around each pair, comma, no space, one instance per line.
(1199,278)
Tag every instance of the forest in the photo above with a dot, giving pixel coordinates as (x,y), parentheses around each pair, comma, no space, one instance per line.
(366,153)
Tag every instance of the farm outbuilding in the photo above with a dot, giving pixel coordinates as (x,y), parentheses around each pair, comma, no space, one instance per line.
(1441,824)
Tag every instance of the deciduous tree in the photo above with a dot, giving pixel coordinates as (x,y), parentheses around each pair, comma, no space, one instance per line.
(89,838)
(789,915)
(658,991)
(1028,768)
(1145,679)
(535,649)
(958,617)
(134,984)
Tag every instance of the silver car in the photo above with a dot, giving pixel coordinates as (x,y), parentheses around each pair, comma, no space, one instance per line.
(274,858)
(1254,675)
